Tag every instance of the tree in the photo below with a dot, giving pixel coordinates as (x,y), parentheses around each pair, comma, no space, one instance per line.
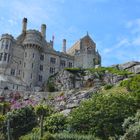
(55,123)
(41,112)
(104,114)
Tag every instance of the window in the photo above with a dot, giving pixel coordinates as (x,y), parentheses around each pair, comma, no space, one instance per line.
(1,54)
(20,62)
(42,57)
(52,60)
(32,65)
(13,86)
(6,45)
(25,54)
(40,78)
(62,63)
(52,70)
(5,56)
(17,87)
(33,55)
(41,67)
(19,72)
(8,57)
(2,45)
(12,71)
(24,64)
(23,74)
(31,75)
(70,65)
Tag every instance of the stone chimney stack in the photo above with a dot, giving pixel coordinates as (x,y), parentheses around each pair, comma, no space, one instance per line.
(64,46)
(24,25)
(43,30)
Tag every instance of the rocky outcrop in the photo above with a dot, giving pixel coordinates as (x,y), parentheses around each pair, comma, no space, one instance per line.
(133,66)
(71,99)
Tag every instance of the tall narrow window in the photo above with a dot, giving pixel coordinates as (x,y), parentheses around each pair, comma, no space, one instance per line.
(31,75)
(42,57)
(33,55)
(6,45)
(63,63)
(41,67)
(40,78)
(52,60)
(1,54)
(5,56)
(24,64)
(52,70)
(25,54)
(23,74)
(32,65)
(8,57)
(12,71)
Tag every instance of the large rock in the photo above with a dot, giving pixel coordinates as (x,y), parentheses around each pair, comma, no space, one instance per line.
(128,65)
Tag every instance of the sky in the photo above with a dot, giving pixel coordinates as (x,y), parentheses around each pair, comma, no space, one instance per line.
(114,25)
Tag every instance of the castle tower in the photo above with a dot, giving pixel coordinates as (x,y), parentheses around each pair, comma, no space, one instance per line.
(32,46)
(6,42)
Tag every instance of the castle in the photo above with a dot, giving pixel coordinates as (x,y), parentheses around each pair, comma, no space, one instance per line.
(27,61)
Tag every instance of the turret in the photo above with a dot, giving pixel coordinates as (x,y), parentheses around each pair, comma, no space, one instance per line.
(24,25)
(43,30)
(64,46)
(6,43)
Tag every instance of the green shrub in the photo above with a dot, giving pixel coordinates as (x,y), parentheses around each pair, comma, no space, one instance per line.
(69,136)
(109,69)
(31,136)
(106,87)
(104,114)
(132,84)
(55,123)
(22,121)
(48,136)
(131,127)
(50,87)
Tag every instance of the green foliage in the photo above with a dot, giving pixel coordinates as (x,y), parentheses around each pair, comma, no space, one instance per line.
(69,136)
(55,123)
(132,84)
(104,114)
(109,69)
(22,121)
(50,87)
(131,126)
(106,87)
(31,136)
(43,110)
(48,136)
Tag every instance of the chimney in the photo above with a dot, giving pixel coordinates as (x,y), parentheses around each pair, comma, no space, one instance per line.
(24,25)
(64,46)
(43,30)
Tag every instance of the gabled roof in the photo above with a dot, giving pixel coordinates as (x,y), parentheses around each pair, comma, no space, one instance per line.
(76,46)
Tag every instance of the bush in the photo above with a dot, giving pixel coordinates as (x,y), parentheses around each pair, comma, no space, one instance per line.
(104,114)
(22,121)
(132,84)
(106,87)
(55,123)
(67,136)
(131,126)
(50,87)
(48,136)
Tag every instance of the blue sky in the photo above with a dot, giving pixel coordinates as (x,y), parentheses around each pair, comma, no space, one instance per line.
(113,24)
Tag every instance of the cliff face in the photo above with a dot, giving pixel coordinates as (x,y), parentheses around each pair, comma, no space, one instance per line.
(75,85)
